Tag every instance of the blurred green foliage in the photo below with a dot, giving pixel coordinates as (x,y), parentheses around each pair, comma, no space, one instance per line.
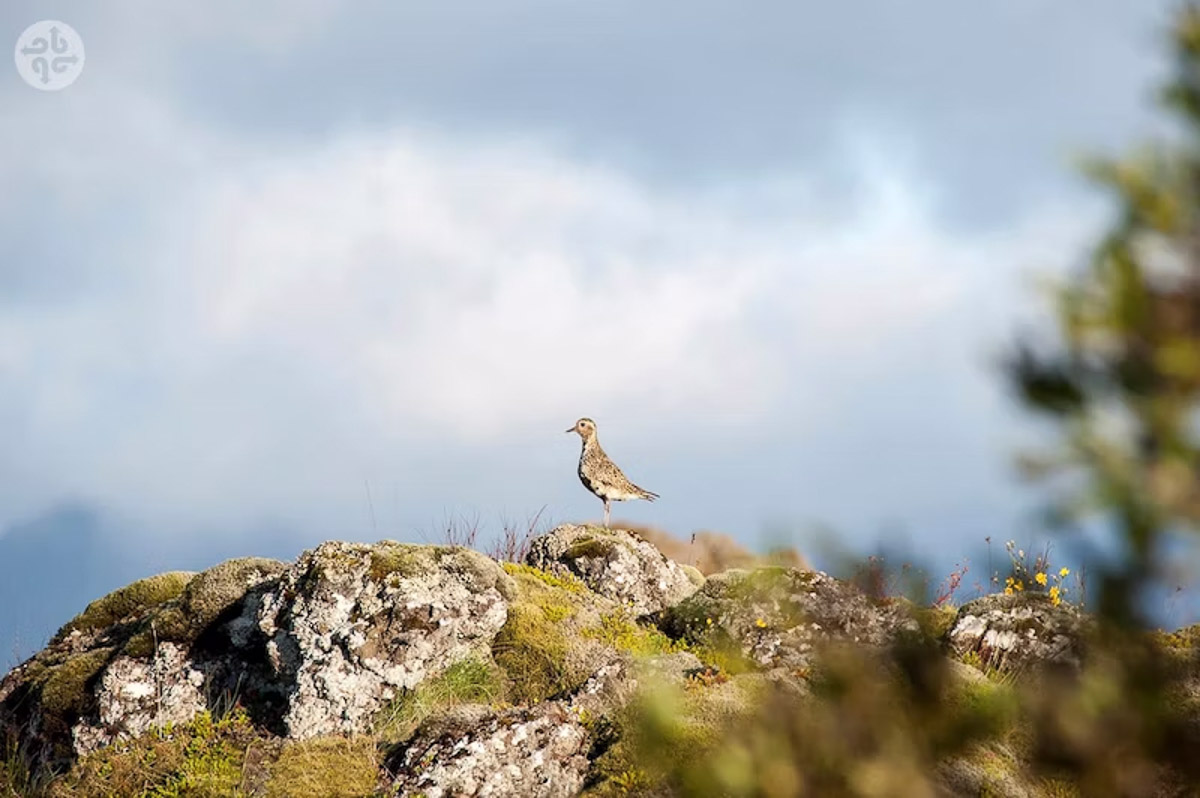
(1118,376)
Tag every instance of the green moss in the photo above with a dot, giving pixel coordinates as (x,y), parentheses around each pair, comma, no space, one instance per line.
(327,767)
(935,621)
(993,707)
(388,559)
(696,626)
(532,649)
(216,590)
(567,582)
(65,686)
(544,624)
(129,601)
(471,681)
(589,547)
(726,656)
(693,574)
(621,632)
(765,582)
(205,598)
(1058,788)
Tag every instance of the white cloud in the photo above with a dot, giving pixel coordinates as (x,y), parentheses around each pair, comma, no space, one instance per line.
(285,322)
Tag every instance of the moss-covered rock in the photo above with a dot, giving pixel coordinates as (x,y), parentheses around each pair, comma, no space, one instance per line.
(206,598)
(776,617)
(1017,632)
(65,686)
(614,563)
(128,602)
(544,646)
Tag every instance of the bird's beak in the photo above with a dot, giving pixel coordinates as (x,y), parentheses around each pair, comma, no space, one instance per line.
(572,429)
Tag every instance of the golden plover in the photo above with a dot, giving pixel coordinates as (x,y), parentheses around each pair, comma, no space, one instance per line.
(601,475)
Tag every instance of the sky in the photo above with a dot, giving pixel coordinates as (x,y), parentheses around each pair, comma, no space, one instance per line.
(303,270)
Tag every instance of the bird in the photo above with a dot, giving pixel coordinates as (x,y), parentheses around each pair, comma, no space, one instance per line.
(600,475)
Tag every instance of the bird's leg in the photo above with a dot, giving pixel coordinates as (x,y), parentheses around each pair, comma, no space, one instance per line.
(606,513)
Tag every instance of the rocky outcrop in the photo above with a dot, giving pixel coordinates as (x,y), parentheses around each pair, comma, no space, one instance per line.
(312,648)
(1017,632)
(598,666)
(776,617)
(616,564)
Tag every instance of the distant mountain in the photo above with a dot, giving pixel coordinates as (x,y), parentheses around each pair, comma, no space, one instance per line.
(54,564)
(50,567)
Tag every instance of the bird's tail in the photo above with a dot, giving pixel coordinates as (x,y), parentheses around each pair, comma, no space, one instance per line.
(647,495)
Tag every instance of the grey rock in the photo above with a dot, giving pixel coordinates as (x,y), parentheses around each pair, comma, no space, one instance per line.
(136,695)
(540,752)
(350,625)
(778,616)
(1013,633)
(612,687)
(614,563)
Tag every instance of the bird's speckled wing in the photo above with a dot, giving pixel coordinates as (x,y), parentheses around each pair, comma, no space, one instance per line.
(602,477)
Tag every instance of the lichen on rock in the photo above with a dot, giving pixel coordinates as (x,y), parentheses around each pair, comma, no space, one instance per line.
(539,752)
(1015,632)
(616,564)
(350,625)
(135,695)
(775,617)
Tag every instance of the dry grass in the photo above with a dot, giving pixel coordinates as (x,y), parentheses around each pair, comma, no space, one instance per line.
(327,767)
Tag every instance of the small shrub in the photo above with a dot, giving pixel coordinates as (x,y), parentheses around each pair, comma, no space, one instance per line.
(200,759)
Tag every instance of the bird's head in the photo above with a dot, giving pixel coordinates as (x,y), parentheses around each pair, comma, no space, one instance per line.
(585,427)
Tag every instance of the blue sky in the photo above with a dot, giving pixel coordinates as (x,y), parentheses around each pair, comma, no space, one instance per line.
(258,258)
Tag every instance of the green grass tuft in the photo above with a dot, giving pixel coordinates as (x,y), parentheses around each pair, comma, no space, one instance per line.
(471,681)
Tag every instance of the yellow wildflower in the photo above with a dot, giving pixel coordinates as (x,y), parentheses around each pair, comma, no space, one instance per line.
(1019,585)
(1008,591)
(760,623)
(1041,578)
(1064,572)
(1055,598)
